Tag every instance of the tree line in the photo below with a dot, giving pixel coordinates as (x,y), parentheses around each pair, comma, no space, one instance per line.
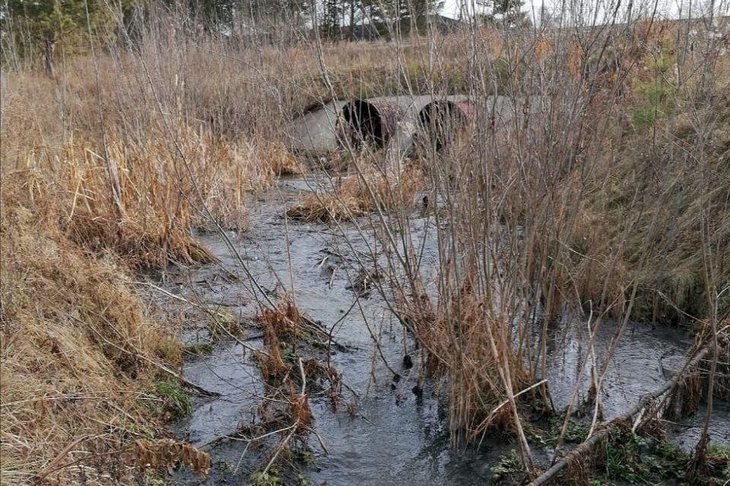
(32,29)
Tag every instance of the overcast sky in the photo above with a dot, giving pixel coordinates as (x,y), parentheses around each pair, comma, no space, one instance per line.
(667,8)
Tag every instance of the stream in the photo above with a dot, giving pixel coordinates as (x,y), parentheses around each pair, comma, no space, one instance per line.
(386,435)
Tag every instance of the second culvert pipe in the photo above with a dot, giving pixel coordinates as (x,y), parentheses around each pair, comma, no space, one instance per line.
(440,120)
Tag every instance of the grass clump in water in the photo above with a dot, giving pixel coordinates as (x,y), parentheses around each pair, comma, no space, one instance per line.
(177,403)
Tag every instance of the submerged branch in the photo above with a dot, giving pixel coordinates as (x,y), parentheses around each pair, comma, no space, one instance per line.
(603,430)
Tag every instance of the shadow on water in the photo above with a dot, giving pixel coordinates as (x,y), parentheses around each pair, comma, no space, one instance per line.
(391,437)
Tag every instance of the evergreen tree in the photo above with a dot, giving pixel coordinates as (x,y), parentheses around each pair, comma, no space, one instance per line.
(404,15)
(38,26)
(506,13)
(331,19)
(413,14)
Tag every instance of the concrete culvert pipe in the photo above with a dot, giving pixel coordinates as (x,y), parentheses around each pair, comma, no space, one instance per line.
(372,123)
(439,122)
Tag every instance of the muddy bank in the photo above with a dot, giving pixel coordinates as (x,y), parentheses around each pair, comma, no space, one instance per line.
(381,432)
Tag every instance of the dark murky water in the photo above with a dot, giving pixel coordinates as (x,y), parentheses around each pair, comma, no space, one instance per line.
(392,438)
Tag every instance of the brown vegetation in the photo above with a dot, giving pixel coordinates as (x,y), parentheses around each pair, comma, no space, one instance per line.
(97,179)
(362,193)
(79,356)
(607,193)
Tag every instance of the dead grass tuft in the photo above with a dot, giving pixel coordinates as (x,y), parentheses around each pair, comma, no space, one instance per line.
(358,195)
(167,453)
(283,322)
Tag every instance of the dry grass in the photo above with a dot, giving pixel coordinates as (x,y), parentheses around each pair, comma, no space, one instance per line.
(77,354)
(163,170)
(290,379)
(667,195)
(167,453)
(603,188)
(98,179)
(476,392)
(607,195)
(360,194)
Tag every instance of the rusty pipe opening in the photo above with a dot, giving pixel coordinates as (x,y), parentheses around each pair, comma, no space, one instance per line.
(370,123)
(439,121)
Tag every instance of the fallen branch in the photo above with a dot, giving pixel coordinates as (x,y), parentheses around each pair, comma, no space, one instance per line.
(604,429)
(491,415)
